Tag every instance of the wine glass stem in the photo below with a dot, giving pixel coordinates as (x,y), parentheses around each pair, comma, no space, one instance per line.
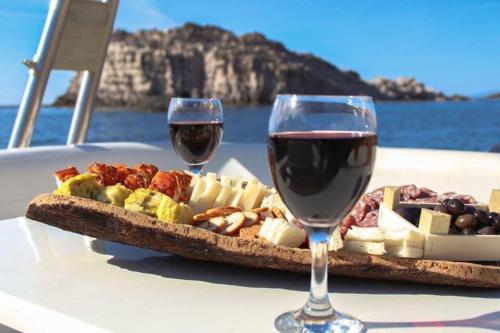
(318,304)
(196,169)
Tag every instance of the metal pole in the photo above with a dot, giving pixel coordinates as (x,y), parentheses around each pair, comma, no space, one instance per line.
(88,91)
(39,70)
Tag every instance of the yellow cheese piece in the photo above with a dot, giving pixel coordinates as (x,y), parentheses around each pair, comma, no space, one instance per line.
(225,181)
(197,192)
(249,198)
(207,199)
(235,197)
(494,204)
(391,197)
(211,176)
(237,182)
(223,196)
(432,222)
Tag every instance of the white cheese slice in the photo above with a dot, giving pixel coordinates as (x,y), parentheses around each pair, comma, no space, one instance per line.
(197,192)
(369,234)
(211,176)
(235,197)
(253,180)
(262,194)
(336,242)
(287,234)
(207,199)
(249,198)
(403,237)
(225,180)
(237,182)
(223,197)
(375,248)
(266,226)
(404,252)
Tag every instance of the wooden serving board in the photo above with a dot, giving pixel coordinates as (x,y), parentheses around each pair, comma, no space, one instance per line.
(119,225)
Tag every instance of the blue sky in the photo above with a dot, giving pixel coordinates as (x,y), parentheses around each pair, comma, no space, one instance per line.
(451,45)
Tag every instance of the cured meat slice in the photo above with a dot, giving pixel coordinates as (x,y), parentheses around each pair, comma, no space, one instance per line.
(65,174)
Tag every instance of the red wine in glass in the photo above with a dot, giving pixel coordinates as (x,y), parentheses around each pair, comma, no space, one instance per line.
(196,142)
(321,174)
(321,153)
(195,126)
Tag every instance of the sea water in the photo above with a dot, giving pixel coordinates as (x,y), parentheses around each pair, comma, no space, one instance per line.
(462,125)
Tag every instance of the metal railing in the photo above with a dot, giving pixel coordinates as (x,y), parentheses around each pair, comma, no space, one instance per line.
(75,37)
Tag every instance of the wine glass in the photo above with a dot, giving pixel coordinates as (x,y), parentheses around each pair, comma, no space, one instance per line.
(195,126)
(321,154)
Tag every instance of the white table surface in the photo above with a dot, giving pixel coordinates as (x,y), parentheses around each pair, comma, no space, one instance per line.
(56,281)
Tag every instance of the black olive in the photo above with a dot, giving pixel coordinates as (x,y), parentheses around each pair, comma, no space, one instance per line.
(455,207)
(486,231)
(468,231)
(481,217)
(491,217)
(415,215)
(496,225)
(453,230)
(445,202)
(470,209)
(466,221)
(441,208)
(403,213)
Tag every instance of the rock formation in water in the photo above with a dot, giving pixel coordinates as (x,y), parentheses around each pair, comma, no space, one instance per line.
(144,69)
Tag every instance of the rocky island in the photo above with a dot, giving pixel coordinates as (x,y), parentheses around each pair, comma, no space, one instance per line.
(145,68)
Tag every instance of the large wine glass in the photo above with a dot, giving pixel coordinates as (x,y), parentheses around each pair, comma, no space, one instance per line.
(321,154)
(195,126)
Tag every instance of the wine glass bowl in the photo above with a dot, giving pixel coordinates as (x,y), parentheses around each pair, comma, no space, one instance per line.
(321,153)
(196,127)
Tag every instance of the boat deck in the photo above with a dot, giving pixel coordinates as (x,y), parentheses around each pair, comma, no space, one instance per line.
(57,280)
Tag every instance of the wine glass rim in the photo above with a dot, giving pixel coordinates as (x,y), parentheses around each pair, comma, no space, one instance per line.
(195,99)
(325,97)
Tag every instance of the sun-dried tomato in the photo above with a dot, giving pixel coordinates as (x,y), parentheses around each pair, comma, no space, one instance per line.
(66,174)
(134,181)
(166,183)
(147,170)
(106,174)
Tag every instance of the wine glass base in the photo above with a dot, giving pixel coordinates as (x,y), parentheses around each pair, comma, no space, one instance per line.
(299,322)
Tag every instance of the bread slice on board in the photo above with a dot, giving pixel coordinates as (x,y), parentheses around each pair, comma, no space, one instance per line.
(95,219)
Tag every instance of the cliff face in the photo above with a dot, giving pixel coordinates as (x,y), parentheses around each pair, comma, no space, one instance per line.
(146,68)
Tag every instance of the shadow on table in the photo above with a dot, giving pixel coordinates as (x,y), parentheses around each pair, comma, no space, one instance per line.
(171,266)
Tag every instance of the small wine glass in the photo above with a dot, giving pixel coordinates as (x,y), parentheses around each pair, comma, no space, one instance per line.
(321,153)
(195,126)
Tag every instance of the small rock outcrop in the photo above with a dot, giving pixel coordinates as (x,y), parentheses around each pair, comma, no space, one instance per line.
(144,69)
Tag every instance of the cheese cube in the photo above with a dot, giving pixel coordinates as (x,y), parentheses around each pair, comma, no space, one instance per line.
(494,204)
(432,222)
